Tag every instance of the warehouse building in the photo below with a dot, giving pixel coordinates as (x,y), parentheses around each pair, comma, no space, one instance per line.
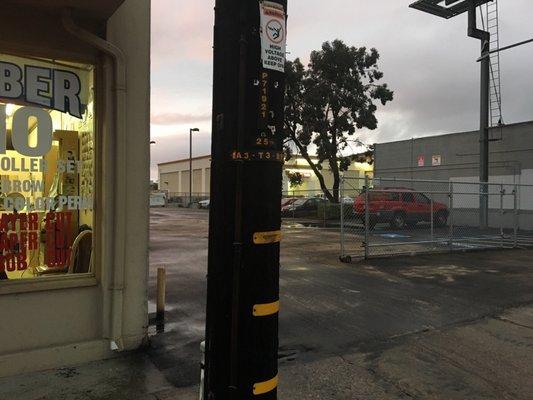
(310,181)
(456,156)
(174,176)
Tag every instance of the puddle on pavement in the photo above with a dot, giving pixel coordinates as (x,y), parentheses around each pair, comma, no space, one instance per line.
(447,272)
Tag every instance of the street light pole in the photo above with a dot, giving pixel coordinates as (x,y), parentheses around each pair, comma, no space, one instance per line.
(484,37)
(450,9)
(190,163)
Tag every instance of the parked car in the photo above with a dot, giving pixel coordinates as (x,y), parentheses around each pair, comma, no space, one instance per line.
(204,204)
(348,201)
(399,207)
(287,201)
(158,199)
(302,207)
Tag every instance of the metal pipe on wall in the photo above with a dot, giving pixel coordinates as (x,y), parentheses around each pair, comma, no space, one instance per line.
(119,205)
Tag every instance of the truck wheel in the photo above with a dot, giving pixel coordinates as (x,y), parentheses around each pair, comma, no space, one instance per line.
(441,218)
(398,221)
(371,223)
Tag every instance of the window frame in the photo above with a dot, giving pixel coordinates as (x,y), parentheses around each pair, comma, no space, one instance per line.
(405,195)
(87,279)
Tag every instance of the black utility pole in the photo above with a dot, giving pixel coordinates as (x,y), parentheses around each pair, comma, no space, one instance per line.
(244,224)
(484,37)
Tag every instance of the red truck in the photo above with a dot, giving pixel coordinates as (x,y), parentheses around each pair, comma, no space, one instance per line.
(400,207)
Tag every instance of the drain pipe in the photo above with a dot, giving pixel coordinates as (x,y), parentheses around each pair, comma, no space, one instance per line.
(119,125)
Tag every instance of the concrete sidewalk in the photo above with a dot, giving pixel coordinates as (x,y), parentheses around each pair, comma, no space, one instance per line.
(130,377)
(490,358)
(487,359)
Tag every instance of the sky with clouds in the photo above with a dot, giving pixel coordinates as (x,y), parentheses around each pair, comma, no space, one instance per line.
(429,62)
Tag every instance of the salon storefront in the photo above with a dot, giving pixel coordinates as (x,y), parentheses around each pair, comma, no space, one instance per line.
(74,165)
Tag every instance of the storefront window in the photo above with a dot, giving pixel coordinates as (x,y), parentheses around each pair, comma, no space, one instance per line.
(47,132)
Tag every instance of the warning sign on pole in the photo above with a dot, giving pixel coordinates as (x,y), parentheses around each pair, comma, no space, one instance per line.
(273,36)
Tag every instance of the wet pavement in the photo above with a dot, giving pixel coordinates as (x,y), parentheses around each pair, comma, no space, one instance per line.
(450,326)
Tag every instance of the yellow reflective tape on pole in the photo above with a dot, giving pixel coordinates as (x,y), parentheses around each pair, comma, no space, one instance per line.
(264,310)
(265,387)
(267,237)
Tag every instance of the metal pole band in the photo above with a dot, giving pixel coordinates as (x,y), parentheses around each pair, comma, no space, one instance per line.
(265,310)
(265,387)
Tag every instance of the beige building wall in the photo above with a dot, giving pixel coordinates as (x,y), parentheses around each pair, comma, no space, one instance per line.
(57,321)
(174,176)
(311,182)
(207,179)
(184,186)
(171,181)
(197,181)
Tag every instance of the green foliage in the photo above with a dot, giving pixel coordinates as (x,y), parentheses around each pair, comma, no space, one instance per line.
(365,157)
(295,179)
(327,102)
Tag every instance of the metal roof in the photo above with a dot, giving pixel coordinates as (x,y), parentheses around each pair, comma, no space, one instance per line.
(445,8)
(185,159)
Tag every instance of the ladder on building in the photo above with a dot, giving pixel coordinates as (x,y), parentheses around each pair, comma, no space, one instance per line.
(491,24)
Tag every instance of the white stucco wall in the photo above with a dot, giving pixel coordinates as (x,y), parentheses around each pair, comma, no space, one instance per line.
(525,197)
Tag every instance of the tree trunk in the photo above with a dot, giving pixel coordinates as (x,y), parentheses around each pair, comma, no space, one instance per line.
(317,172)
(336,185)
(320,177)
(334,166)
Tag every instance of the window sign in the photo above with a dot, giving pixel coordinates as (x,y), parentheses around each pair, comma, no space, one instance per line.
(46,167)
(273,36)
(436,160)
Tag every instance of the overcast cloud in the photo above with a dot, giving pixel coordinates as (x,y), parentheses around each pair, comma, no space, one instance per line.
(429,63)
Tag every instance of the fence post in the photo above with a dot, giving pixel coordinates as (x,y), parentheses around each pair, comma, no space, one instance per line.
(342,217)
(451,216)
(161,291)
(292,209)
(324,203)
(367,216)
(502,193)
(432,223)
(516,217)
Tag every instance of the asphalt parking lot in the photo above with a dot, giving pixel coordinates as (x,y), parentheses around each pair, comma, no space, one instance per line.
(449,326)
(433,327)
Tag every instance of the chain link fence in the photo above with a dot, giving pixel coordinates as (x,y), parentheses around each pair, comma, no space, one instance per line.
(180,199)
(309,208)
(390,217)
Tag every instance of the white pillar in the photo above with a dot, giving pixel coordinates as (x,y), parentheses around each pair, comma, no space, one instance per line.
(203,189)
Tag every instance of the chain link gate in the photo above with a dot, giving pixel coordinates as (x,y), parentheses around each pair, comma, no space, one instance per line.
(406,216)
